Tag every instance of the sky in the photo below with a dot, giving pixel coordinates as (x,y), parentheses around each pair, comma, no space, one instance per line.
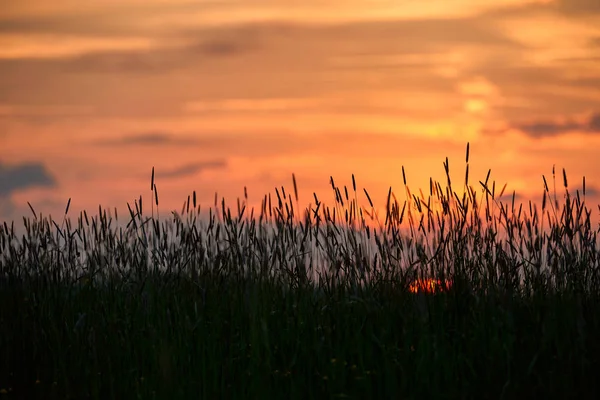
(222,95)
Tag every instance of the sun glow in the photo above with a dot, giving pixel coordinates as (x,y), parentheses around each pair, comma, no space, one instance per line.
(429,286)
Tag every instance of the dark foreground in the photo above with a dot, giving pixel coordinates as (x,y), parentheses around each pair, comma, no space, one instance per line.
(232,309)
(170,338)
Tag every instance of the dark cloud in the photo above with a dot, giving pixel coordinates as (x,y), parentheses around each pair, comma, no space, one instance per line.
(257,144)
(540,129)
(65,24)
(574,8)
(236,39)
(155,61)
(584,83)
(595,42)
(549,128)
(13,178)
(105,21)
(145,62)
(507,197)
(580,7)
(226,143)
(219,48)
(192,169)
(594,123)
(155,138)
(590,191)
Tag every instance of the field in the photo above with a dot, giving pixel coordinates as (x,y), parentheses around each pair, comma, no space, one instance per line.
(458,295)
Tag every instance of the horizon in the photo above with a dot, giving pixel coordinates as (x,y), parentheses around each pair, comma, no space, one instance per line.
(219,96)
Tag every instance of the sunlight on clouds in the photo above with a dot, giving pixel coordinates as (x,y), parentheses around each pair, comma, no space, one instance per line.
(378,102)
(402,103)
(550,37)
(478,86)
(478,92)
(333,11)
(476,106)
(186,14)
(449,58)
(315,11)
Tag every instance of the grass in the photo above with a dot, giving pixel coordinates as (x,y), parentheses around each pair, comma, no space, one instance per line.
(458,295)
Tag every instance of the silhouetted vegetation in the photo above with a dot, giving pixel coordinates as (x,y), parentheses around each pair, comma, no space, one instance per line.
(457,295)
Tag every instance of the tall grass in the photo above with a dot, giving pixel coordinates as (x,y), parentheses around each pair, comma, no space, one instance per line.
(457,295)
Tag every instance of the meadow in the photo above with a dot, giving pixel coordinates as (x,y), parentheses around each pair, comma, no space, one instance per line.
(455,295)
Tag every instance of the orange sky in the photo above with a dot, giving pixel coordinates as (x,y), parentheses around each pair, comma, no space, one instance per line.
(218,95)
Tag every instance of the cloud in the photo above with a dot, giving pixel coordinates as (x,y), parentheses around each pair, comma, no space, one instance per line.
(591,191)
(591,195)
(46,111)
(225,143)
(64,24)
(104,19)
(192,169)
(13,178)
(144,62)
(222,47)
(412,60)
(593,123)
(155,61)
(153,138)
(257,60)
(578,7)
(279,143)
(542,128)
(571,8)
(507,198)
(549,128)
(183,52)
(285,38)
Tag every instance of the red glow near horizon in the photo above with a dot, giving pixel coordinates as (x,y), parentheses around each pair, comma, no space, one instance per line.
(429,286)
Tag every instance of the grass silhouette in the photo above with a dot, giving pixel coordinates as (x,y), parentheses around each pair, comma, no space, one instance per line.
(458,295)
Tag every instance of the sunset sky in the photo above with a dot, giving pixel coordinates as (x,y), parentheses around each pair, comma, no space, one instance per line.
(218,95)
